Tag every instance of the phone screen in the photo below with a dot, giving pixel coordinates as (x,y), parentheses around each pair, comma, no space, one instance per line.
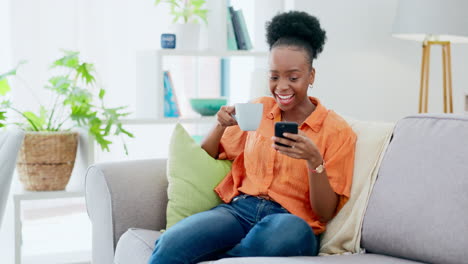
(285,127)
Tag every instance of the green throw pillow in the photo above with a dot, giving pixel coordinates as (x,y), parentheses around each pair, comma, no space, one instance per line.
(192,176)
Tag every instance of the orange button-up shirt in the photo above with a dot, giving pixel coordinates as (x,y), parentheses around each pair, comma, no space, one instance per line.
(258,169)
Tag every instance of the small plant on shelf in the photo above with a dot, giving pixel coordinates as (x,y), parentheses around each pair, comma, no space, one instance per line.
(190,11)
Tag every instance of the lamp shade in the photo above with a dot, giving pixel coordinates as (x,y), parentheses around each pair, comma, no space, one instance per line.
(444,20)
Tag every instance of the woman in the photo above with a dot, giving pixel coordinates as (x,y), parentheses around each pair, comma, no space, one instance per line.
(277,199)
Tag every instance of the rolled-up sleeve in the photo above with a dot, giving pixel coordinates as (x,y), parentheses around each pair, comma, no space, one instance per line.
(339,158)
(232,143)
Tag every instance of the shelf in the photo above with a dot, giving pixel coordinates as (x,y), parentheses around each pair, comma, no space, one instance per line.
(208,53)
(79,257)
(44,195)
(169,120)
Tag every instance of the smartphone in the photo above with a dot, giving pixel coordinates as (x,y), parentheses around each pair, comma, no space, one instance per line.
(285,127)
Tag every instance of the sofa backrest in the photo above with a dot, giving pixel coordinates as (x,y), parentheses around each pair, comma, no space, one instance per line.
(418,208)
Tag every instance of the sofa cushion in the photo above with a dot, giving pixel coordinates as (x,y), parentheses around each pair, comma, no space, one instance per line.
(343,233)
(192,175)
(338,259)
(418,207)
(135,246)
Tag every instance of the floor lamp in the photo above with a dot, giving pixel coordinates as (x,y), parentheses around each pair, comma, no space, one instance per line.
(433,22)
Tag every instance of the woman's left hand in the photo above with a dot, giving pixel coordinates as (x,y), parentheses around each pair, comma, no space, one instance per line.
(302,147)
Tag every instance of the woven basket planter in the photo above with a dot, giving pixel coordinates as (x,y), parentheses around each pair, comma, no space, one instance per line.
(46,160)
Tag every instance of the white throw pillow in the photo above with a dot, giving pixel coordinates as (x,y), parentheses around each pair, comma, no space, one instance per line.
(343,232)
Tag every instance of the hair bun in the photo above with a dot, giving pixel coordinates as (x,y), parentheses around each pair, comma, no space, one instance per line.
(299,25)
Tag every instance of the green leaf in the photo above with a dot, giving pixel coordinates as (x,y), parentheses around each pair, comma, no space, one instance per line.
(37,122)
(2,118)
(82,114)
(201,14)
(108,127)
(60,84)
(197,3)
(177,15)
(78,96)
(120,129)
(103,143)
(69,60)
(4,86)
(5,104)
(173,3)
(13,71)
(125,147)
(85,70)
(102,92)
(97,132)
(10,73)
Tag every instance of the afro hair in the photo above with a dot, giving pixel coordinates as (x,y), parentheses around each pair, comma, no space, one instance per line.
(296,28)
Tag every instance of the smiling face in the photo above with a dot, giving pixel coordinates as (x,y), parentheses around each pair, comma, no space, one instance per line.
(290,76)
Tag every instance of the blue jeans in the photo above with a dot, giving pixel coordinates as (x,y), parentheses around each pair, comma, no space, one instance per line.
(246,227)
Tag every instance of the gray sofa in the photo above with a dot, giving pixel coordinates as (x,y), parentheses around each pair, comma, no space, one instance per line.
(417,212)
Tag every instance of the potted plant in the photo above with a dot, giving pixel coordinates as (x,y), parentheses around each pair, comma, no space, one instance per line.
(190,12)
(47,156)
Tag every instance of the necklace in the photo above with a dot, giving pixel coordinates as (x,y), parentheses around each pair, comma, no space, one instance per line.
(284,119)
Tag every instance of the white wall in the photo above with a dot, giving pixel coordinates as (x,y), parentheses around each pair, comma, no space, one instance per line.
(366,73)
(107,33)
(363,71)
(37,33)
(4,36)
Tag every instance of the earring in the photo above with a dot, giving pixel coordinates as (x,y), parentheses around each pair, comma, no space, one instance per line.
(311,86)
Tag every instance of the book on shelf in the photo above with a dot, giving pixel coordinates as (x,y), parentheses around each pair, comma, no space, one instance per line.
(244,31)
(231,37)
(171,106)
(241,44)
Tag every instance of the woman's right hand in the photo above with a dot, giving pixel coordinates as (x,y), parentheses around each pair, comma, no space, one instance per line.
(224,116)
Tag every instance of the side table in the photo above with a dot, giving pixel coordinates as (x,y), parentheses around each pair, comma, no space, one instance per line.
(27,195)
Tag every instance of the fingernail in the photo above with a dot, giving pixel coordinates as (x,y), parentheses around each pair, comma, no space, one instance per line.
(273,138)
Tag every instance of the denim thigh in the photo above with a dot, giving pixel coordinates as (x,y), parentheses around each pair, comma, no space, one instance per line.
(198,237)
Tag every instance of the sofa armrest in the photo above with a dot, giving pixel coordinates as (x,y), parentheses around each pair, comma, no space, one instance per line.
(123,195)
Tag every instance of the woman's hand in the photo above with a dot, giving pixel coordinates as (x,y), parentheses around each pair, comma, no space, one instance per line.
(224,116)
(302,147)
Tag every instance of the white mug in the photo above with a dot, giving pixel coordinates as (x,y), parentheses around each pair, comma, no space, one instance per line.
(248,116)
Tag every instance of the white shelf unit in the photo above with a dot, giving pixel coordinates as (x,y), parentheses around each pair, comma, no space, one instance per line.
(149,63)
(150,83)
